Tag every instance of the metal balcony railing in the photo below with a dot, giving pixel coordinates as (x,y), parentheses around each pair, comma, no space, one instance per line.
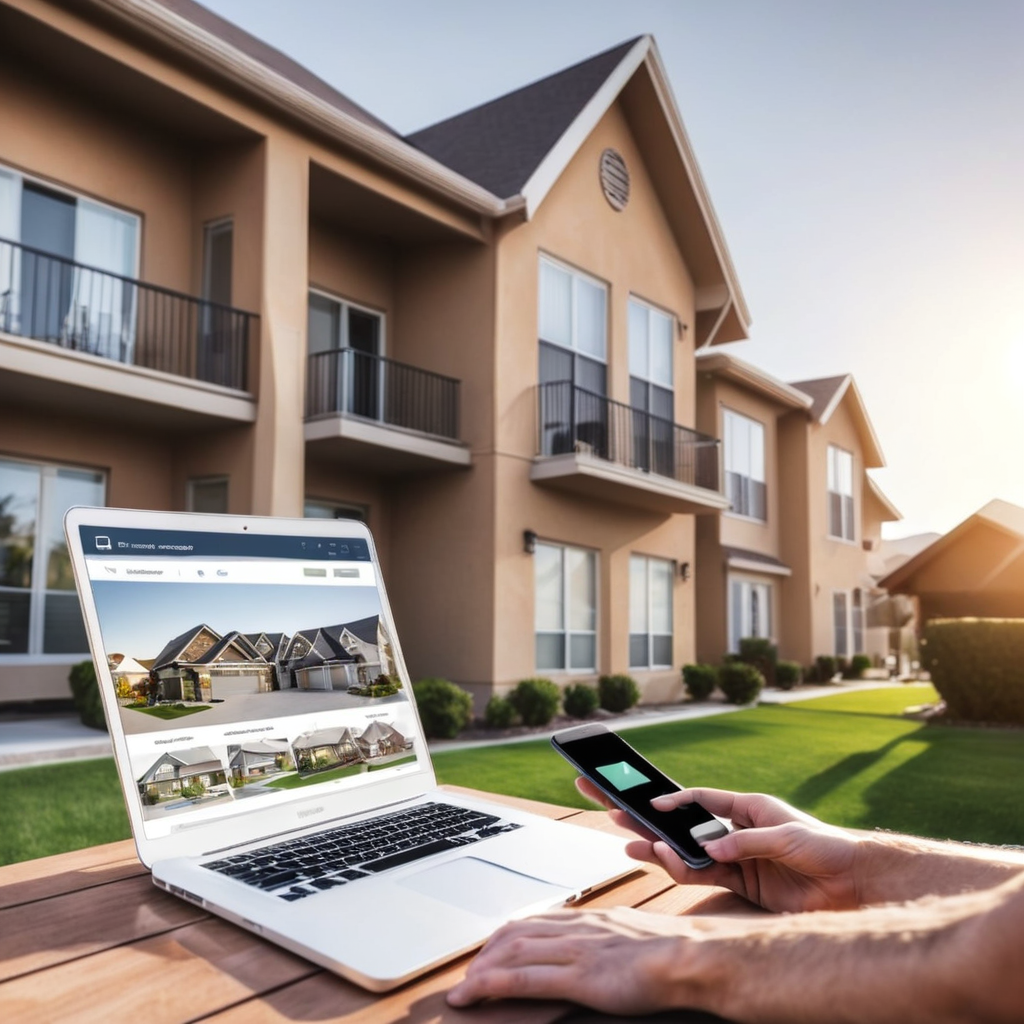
(361,384)
(52,299)
(572,419)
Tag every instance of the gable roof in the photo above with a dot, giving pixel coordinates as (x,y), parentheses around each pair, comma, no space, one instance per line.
(752,377)
(827,393)
(501,143)
(174,648)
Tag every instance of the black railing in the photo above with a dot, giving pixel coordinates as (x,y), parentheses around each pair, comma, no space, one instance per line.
(571,419)
(52,299)
(356,383)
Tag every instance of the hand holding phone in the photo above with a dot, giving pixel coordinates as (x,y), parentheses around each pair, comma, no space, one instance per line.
(630,781)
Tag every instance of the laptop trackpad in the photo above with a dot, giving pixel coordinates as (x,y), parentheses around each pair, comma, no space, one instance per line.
(484,888)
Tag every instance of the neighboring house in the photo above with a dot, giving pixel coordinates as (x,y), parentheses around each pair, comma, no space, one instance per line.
(975,570)
(174,770)
(796,556)
(259,758)
(202,665)
(324,749)
(492,325)
(334,657)
(127,669)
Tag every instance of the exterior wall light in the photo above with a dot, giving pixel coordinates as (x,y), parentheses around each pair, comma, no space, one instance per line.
(529,541)
(684,570)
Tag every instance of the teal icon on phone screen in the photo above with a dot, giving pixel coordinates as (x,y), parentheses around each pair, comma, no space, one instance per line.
(623,776)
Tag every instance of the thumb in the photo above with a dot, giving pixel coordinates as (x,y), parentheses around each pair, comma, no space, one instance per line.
(771,843)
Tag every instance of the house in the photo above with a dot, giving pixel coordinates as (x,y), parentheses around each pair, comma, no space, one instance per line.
(335,657)
(198,769)
(324,749)
(796,556)
(976,570)
(224,286)
(202,665)
(259,758)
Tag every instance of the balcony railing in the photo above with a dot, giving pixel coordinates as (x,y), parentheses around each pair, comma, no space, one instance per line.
(361,384)
(55,300)
(572,419)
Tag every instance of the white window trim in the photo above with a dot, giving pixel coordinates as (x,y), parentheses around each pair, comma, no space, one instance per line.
(733,642)
(651,307)
(853,500)
(651,665)
(567,633)
(728,411)
(851,632)
(576,274)
(362,308)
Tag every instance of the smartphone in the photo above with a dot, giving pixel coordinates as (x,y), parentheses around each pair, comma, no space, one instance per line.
(630,781)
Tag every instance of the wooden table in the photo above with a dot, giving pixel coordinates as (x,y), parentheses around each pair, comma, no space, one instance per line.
(86,936)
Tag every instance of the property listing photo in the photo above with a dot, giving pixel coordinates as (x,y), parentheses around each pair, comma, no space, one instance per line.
(182,780)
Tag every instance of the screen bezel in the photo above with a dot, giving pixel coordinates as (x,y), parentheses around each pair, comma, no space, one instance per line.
(202,837)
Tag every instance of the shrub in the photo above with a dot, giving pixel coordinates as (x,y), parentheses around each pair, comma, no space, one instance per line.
(787,674)
(700,680)
(86,694)
(445,709)
(740,682)
(618,692)
(580,700)
(977,665)
(859,664)
(825,667)
(760,652)
(536,700)
(499,713)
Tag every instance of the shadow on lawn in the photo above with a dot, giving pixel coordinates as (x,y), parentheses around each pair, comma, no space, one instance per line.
(822,784)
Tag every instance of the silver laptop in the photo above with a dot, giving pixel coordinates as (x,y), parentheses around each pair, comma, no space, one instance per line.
(271,754)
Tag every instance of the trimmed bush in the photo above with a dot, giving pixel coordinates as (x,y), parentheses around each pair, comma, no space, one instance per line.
(580,700)
(741,683)
(977,665)
(85,692)
(618,692)
(700,680)
(859,664)
(536,701)
(499,713)
(760,652)
(825,667)
(445,709)
(787,674)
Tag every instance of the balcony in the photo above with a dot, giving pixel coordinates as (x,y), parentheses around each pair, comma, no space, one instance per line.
(589,445)
(73,336)
(382,415)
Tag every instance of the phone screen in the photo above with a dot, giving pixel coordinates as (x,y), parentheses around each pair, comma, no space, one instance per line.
(630,779)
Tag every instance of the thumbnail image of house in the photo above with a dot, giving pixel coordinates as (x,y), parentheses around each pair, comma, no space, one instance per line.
(335,748)
(202,665)
(259,759)
(195,773)
(127,670)
(338,657)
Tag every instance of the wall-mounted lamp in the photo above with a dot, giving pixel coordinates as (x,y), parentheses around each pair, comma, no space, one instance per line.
(529,541)
(684,570)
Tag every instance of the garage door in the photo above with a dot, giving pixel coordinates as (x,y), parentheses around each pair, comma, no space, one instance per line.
(232,686)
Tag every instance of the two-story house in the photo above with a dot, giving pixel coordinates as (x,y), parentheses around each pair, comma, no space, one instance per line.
(795,557)
(225,287)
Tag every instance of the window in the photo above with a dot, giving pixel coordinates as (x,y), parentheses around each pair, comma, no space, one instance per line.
(345,346)
(207,494)
(848,622)
(61,285)
(313,509)
(39,612)
(840,493)
(750,611)
(566,607)
(573,328)
(744,465)
(651,387)
(650,612)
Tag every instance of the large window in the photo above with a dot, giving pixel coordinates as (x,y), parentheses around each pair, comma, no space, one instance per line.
(744,465)
(848,622)
(750,611)
(207,494)
(573,328)
(651,389)
(565,608)
(840,493)
(316,509)
(650,612)
(39,611)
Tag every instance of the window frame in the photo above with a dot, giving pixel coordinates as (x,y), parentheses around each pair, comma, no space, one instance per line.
(362,516)
(577,352)
(748,585)
(649,596)
(345,305)
(566,632)
(853,624)
(213,478)
(652,311)
(731,418)
(847,502)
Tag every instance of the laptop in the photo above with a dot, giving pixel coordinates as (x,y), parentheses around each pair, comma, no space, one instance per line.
(271,755)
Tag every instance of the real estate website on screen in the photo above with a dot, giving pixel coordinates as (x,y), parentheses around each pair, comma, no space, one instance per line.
(247,670)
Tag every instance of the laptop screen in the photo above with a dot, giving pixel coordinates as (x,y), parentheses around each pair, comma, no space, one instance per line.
(248,670)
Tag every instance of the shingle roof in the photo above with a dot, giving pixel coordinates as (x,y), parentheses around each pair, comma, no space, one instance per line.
(501,143)
(273,59)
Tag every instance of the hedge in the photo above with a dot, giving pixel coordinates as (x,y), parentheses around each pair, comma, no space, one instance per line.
(85,692)
(977,665)
(445,709)
(760,652)
(741,683)
(580,700)
(618,692)
(700,680)
(536,700)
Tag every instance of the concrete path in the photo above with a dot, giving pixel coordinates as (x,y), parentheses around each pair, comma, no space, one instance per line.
(62,737)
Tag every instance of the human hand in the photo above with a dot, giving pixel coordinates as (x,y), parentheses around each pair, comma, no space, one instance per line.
(777,856)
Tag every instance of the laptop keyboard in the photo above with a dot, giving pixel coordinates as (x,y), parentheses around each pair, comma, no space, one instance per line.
(303,867)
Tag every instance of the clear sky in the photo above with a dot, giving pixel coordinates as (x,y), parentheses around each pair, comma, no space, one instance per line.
(865,159)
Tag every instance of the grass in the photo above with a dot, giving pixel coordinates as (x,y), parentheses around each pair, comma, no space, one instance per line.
(849,758)
(169,712)
(299,781)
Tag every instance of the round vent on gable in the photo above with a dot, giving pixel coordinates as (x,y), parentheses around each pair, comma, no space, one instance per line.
(614,179)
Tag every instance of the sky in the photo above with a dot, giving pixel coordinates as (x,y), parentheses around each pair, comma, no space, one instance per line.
(865,160)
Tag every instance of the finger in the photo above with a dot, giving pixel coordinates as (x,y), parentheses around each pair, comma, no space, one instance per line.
(745,809)
(591,792)
(727,875)
(770,843)
(538,981)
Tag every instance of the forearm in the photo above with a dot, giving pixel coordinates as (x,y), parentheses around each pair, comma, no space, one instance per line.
(940,961)
(894,868)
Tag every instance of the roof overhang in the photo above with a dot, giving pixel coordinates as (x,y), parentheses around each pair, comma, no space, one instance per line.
(873,457)
(728,367)
(891,513)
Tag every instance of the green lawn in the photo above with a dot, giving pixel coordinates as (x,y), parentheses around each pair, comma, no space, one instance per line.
(849,758)
(168,712)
